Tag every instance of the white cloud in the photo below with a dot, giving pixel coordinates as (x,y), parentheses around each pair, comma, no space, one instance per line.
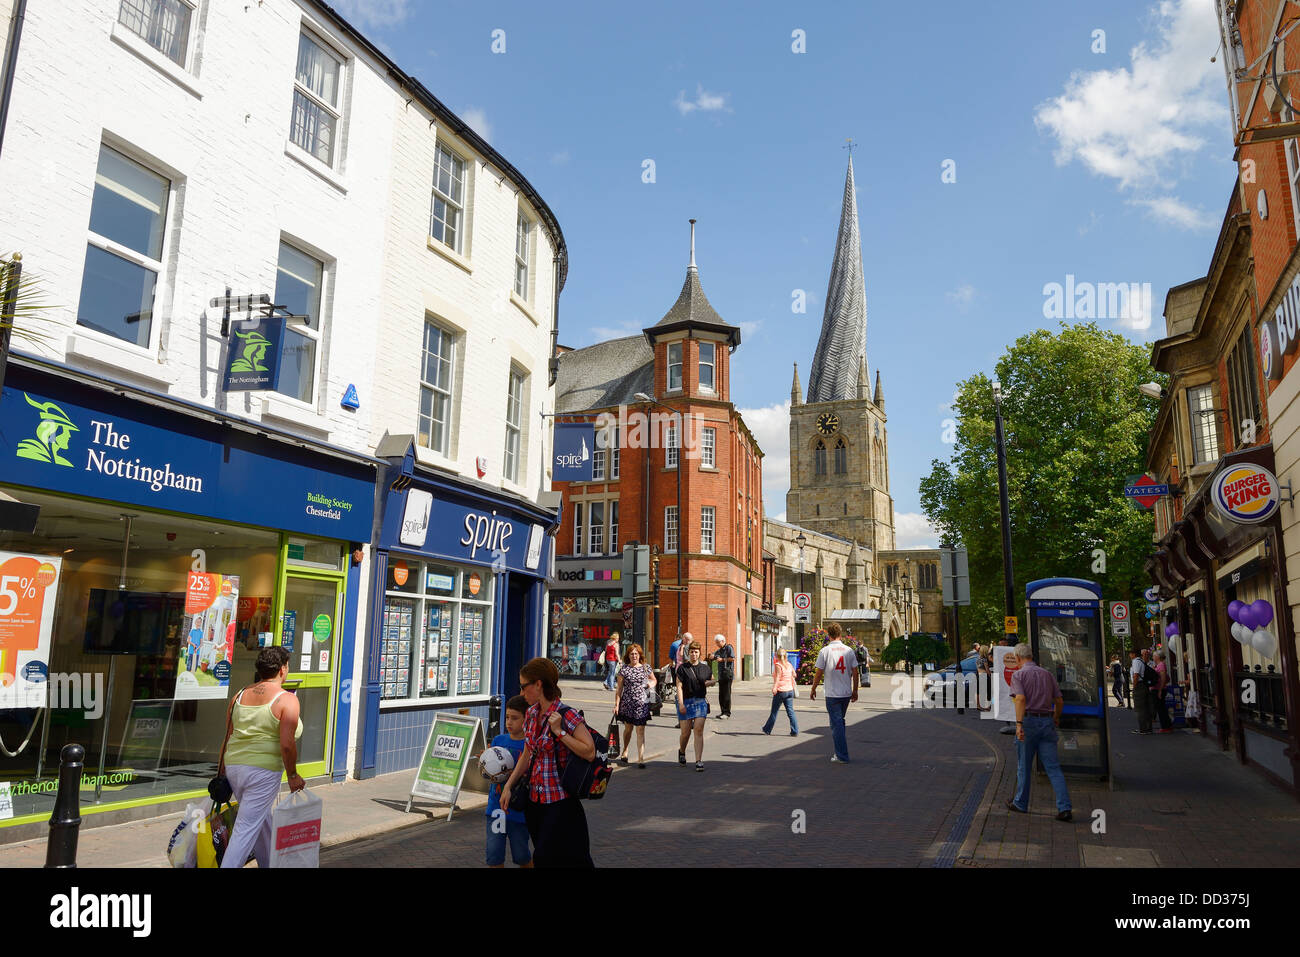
(962,296)
(704,101)
(1172,211)
(477,121)
(620,331)
(1132,124)
(770,426)
(913,530)
(373,14)
(748,330)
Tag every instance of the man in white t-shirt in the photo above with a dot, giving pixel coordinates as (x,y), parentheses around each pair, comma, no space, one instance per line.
(837,662)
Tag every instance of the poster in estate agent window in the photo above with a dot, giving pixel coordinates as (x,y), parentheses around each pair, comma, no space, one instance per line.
(29,585)
(211,619)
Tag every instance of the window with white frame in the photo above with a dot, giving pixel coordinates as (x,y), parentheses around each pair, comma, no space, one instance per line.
(298,281)
(577,528)
(436,392)
(596,528)
(613,454)
(708,365)
(448,209)
(670,528)
(708,446)
(163,24)
(124,249)
(706,529)
(523,235)
(598,464)
(1204,422)
(514,424)
(674,366)
(318,82)
(613,527)
(670,446)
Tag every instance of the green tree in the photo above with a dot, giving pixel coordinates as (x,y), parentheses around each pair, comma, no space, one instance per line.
(918,649)
(1076,427)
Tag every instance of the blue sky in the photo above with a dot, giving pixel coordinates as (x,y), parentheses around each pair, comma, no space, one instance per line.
(1111,166)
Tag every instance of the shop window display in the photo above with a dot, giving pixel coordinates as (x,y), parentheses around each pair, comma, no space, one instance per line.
(141,659)
(580,628)
(436,631)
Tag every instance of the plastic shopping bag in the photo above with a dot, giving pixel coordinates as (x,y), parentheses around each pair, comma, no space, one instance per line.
(295,830)
(213,834)
(182,848)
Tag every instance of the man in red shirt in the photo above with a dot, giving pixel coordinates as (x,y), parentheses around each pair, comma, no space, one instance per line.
(1038,714)
(611,660)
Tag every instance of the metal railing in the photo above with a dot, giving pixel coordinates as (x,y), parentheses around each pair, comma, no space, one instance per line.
(1263,697)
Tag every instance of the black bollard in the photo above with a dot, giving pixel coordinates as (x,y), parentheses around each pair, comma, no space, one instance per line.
(65,822)
(494,716)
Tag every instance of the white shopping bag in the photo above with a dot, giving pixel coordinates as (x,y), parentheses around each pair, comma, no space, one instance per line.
(295,830)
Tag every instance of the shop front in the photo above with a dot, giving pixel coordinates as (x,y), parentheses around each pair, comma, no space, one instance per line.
(170,548)
(587,606)
(767,636)
(459,599)
(1225,638)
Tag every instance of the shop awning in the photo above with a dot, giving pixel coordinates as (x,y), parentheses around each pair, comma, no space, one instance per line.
(767,619)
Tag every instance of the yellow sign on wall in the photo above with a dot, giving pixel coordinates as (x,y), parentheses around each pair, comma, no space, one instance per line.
(1009,625)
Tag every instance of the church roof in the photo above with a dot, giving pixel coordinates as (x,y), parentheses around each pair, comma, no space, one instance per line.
(842,346)
(606,374)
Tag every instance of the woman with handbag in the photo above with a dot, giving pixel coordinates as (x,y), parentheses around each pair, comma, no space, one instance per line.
(782,693)
(556,822)
(636,682)
(693,680)
(261,743)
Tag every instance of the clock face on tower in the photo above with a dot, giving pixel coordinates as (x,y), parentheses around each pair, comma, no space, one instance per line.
(828,423)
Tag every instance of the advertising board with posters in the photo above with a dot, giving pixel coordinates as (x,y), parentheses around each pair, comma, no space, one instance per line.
(1005,664)
(211,617)
(1245,493)
(29,585)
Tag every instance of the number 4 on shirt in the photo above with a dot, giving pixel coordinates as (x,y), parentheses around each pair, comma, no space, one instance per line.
(839,665)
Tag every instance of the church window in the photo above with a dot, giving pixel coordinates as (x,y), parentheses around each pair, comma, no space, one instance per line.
(846,508)
(819,458)
(841,457)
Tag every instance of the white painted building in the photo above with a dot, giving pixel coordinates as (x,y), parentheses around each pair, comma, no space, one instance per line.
(156,153)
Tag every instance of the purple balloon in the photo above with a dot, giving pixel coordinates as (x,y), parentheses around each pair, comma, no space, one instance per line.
(1170,628)
(1246,615)
(1263,613)
(1234,609)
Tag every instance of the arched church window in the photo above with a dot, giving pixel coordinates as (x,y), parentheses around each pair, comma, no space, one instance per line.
(841,457)
(819,458)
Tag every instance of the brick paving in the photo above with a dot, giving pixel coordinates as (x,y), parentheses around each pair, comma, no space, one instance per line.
(1177,802)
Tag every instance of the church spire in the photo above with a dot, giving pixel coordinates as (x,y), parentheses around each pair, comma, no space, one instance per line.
(843,337)
(880,393)
(796,391)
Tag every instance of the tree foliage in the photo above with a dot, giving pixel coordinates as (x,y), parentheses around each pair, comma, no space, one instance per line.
(809,646)
(1076,427)
(916,648)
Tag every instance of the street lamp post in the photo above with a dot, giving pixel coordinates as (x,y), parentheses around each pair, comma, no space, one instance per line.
(681,519)
(801,541)
(1008,576)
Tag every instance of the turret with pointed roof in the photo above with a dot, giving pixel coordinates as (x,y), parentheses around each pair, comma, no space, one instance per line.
(843,342)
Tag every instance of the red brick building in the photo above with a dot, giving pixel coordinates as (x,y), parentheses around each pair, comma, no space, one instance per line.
(683,363)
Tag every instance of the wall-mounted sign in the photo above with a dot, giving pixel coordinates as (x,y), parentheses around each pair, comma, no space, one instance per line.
(350,398)
(253,357)
(571,460)
(78,440)
(415,520)
(1245,493)
(1286,318)
(1270,355)
(1144,490)
(536,535)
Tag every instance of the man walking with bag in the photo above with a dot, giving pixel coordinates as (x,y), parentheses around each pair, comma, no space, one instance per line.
(840,666)
(725,657)
(1143,678)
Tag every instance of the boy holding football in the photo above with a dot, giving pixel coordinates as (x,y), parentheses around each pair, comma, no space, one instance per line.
(503,824)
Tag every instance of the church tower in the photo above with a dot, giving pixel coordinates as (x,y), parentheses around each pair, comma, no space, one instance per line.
(839,446)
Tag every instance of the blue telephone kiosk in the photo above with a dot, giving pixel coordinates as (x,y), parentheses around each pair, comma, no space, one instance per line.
(1065,634)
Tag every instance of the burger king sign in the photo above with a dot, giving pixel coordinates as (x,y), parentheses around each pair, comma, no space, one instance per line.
(1246,493)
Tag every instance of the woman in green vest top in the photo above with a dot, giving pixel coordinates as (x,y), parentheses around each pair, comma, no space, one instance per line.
(262,732)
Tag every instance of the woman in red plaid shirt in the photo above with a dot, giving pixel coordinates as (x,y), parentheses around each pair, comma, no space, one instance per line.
(556,822)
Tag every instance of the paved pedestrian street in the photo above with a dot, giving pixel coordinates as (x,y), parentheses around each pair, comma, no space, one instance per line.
(924,789)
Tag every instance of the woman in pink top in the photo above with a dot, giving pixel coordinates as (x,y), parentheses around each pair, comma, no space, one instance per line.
(782,693)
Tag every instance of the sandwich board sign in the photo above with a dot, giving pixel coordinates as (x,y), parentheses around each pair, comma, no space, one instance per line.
(447,753)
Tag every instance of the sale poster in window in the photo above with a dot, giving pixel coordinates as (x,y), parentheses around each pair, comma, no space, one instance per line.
(29,585)
(211,619)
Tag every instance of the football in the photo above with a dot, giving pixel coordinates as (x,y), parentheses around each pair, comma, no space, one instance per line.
(495,764)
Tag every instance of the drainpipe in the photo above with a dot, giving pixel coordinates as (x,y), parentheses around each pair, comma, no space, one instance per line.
(11,61)
(555,318)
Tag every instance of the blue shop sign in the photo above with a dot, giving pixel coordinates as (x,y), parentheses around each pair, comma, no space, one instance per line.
(71,438)
(462,529)
(575,444)
(253,356)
